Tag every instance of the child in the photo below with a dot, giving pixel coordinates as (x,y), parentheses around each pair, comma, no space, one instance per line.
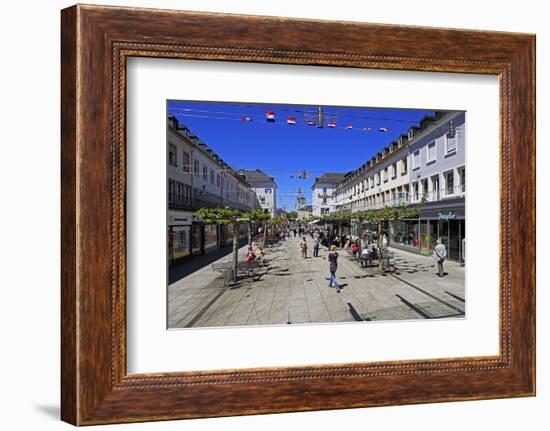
(260,254)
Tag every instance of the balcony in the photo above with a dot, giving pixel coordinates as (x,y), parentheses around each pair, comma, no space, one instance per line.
(453,192)
(179,202)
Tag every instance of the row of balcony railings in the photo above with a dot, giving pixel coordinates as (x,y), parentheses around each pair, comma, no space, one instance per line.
(402,198)
(206,200)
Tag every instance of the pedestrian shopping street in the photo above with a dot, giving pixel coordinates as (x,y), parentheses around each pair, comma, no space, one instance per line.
(293,290)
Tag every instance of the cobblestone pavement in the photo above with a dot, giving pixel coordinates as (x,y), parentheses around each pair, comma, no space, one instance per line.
(293,290)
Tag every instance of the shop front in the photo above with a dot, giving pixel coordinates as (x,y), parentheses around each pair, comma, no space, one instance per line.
(405,234)
(445,220)
(179,236)
(197,238)
(210,237)
(223,235)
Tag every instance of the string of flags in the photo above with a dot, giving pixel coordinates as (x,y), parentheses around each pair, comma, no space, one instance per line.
(292,121)
(270,117)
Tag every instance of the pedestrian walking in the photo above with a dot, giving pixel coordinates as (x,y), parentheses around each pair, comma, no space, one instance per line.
(355,248)
(333,266)
(440,254)
(316,244)
(295,232)
(303,247)
(250,257)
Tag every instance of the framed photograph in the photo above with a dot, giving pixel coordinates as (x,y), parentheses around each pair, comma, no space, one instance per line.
(265,215)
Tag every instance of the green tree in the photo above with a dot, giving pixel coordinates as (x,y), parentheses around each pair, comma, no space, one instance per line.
(292,215)
(227,216)
(384,215)
(256,216)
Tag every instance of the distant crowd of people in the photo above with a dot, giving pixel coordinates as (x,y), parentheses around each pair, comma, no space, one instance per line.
(369,248)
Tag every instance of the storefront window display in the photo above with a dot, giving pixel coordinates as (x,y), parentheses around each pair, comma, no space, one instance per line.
(196,239)
(179,242)
(428,236)
(405,232)
(210,236)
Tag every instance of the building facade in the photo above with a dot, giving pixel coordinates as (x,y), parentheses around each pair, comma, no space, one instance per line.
(381,181)
(322,195)
(438,180)
(304,213)
(264,187)
(199,178)
(426,167)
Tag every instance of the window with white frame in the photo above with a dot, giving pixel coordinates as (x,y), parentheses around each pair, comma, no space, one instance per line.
(462,179)
(173,155)
(378,179)
(205,173)
(416,159)
(415,191)
(450,145)
(385,174)
(450,139)
(196,168)
(394,170)
(403,166)
(449,182)
(431,156)
(425,188)
(171,191)
(185,161)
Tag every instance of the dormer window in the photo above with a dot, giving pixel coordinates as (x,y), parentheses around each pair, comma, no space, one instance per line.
(410,134)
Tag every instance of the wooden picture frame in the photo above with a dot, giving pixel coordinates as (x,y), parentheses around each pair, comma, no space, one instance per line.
(96,41)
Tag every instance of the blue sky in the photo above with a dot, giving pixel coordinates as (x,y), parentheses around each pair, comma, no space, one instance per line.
(285,151)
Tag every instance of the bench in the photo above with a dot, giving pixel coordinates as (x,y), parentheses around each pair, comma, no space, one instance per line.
(226,268)
(247,267)
(387,258)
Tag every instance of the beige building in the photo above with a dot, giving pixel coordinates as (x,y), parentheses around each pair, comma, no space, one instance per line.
(305,212)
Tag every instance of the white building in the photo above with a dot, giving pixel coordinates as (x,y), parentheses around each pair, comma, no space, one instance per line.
(264,187)
(322,195)
(426,167)
(382,181)
(199,178)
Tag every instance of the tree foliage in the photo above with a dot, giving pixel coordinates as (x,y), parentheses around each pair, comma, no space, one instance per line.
(374,216)
(279,220)
(218,215)
(292,215)
(256,215)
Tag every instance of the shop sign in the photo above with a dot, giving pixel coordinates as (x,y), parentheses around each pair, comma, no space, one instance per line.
(447,216)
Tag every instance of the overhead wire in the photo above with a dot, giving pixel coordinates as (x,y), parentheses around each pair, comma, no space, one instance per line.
(247,118)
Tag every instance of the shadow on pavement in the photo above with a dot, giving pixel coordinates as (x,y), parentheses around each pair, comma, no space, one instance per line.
(177,272)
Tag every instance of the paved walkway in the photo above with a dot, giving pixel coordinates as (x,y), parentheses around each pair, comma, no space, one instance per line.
(295,290)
